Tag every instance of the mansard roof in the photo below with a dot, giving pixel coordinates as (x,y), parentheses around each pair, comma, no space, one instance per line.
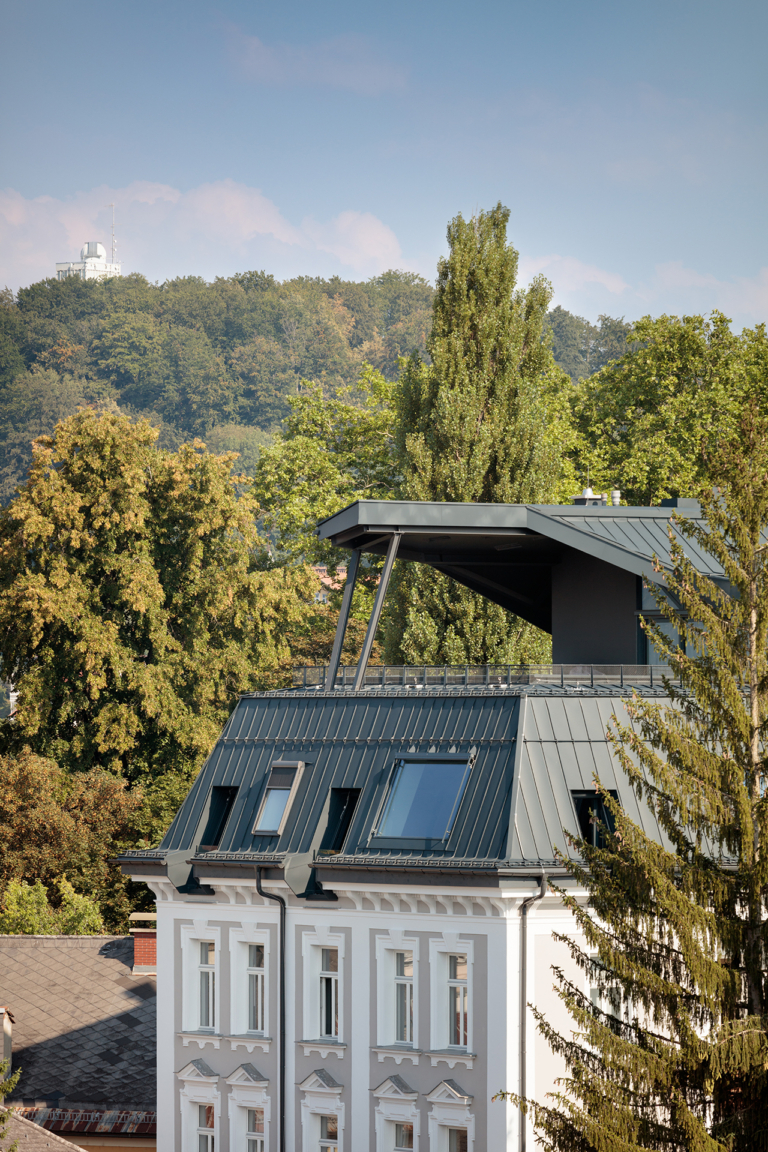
(528,753)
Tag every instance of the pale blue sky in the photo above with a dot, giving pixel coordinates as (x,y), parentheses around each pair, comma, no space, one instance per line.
(628,140)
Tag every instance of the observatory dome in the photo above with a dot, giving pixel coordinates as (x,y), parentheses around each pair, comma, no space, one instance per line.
(92,250)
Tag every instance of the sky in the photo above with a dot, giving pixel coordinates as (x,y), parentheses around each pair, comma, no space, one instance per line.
(627,139)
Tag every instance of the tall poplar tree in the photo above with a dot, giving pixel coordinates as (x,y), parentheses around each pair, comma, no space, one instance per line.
(484,421)
(676,1055)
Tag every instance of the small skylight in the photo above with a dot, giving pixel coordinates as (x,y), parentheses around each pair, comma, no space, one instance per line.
(423,799)
(282,783)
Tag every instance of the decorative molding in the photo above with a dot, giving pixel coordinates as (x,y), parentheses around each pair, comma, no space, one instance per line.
(452,1058)
(249,1042)
(323,1047)
(200,1038)
(397,1054)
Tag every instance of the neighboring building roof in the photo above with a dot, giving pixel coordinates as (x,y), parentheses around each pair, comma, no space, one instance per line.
(84,1032)
(529,753)
(32,1138)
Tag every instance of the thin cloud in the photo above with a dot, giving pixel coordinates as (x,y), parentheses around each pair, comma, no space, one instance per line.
(348,62)
(570,275)
(213,229)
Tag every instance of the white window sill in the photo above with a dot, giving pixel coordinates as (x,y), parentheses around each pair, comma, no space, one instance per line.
(452,1057)
(323,1047)
(398,1053)
(249,1041)
(200,1038)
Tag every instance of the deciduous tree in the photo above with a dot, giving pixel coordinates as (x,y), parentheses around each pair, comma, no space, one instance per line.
(133,603)
(485,421)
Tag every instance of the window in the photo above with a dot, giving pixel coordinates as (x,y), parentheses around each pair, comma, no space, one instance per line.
(457,1140)
(593,817)
(281,785)
(423,799)
(404,1000)
(458,1010)
(207,970)
(329,1133)
(255,1130)
(329,993)
(219,809)
(256,983)
(403,1137)
(205,1142)
(341,809)
(451,963)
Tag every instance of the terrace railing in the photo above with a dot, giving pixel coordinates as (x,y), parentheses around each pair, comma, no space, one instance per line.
(486,675)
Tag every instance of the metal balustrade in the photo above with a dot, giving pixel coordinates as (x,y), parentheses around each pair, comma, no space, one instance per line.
(486,675)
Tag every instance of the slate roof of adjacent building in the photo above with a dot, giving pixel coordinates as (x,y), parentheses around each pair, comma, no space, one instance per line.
(84,1033)
(31,1137)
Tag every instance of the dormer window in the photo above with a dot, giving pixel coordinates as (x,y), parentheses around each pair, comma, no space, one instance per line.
(281,787)
(593,817)
(424,798)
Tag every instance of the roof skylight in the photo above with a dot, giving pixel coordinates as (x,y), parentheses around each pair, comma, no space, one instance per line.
(423,799)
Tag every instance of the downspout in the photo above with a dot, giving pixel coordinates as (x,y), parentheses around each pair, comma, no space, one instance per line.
(524,996)
(281,1085)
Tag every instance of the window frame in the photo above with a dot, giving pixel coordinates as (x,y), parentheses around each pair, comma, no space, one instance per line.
(440,951)
(209,1130)
(387,948)
(240,940)
(246,1095)
(298,766)
(312,945)
(207,969)
(192,936)
(329,982)
(379,840)
(589,794)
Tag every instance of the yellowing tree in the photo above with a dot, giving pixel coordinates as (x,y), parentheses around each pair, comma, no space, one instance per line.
(133,603)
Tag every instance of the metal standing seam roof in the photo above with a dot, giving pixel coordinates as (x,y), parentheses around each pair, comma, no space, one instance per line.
(530,752)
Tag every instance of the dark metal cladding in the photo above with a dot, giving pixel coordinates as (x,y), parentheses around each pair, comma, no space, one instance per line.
(529,751)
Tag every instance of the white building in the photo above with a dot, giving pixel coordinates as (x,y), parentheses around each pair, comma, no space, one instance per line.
(352,902)
(92,264)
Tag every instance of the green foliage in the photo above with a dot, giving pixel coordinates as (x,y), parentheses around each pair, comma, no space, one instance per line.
(7,1084)
(644,419)
(54,823)
(486,421)
(189,355)
(26,911)
(581,348)
(680,1059)
(334,448)
(126,645)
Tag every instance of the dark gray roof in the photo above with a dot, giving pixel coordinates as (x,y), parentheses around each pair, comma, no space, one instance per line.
(529,752)
(326,1078)
(84,1032)
(32,1138)
(506,552)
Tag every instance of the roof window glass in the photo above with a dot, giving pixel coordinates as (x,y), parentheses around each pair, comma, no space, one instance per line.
(282,783)
(424,799)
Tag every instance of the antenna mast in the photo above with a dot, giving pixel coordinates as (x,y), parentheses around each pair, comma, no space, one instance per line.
(114,246)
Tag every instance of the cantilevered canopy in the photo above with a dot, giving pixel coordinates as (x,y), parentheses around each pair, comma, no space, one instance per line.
(507,552)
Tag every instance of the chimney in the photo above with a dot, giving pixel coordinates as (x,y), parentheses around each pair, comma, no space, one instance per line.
(7,1034)
(144,943)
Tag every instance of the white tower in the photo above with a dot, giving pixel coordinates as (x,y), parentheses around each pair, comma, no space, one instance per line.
(92,264)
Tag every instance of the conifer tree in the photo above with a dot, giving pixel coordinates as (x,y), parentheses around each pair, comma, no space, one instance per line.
(676,1055)
(485,422)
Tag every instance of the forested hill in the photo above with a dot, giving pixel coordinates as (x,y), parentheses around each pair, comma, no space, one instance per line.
(216,360)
